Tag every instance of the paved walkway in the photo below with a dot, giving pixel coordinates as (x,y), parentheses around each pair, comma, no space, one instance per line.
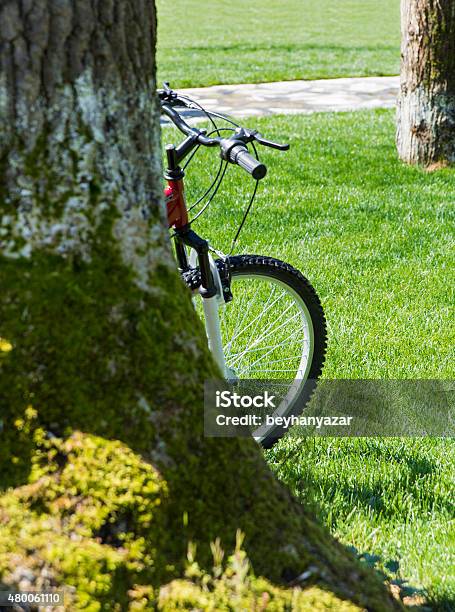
(292,97)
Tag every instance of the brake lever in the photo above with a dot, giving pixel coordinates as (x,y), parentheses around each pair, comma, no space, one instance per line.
(268,143)
(167,94)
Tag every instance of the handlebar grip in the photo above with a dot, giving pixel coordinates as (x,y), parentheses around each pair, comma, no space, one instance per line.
(239,155)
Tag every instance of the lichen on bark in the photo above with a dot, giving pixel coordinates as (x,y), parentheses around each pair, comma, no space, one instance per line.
(78,146)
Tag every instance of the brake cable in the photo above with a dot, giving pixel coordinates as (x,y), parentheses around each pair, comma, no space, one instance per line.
(213,194)
(248,208)
(221,171)
(209,189)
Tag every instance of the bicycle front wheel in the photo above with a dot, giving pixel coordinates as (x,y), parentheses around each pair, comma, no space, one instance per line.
(273,329)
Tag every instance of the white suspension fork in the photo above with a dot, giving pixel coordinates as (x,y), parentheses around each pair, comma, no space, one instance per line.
(213,331)
(211,308)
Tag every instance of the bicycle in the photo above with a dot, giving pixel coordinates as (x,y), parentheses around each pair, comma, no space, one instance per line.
(263,318)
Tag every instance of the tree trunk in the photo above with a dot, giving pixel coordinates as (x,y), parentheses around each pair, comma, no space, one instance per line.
(426,104)
(100,340)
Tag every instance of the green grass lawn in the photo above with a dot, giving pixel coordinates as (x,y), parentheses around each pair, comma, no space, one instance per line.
(203,43)
(391,498)
(376,239)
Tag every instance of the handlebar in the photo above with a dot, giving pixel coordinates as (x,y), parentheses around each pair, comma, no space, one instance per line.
(183,126)
(240,156)
(233,149)
(237,153)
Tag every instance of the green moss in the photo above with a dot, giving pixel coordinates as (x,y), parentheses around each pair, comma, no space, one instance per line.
(438,44)
(97,519)
(234,586)
(88,344)
(17,444)
(90,521)
(255,594)
(90,517)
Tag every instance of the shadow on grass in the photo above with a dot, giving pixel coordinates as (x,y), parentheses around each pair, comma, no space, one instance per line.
(443,604)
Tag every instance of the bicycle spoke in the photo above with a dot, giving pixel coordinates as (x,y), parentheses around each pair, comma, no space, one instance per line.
(250,302)
(262,348)
(262,357)
(257,318)
(272,348)
(270,331)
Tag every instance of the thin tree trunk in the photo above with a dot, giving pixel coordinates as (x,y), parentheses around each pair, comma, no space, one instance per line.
(104,338)
(426,105)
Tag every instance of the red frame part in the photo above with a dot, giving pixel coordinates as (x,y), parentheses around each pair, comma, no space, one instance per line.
(174,196)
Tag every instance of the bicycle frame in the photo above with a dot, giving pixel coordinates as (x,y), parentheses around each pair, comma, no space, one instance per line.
(211,286)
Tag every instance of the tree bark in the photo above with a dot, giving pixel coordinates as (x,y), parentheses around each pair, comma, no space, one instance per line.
(426,104)
(99,336)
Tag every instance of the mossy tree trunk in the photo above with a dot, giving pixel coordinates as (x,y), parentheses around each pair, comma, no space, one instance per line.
(99,335)
(87,278)
(426,104)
